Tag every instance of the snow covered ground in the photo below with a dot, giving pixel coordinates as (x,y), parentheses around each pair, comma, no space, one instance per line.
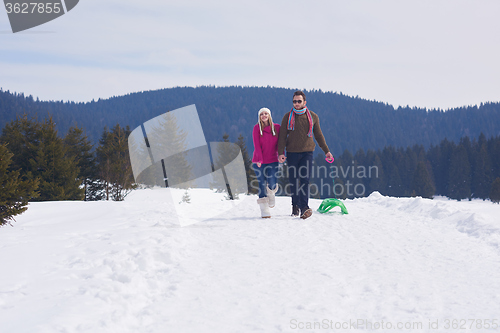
(392,264)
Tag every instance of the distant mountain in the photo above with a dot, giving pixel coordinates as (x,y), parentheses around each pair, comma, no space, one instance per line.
(350,123)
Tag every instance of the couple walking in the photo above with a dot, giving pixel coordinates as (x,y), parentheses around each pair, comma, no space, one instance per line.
(296,135)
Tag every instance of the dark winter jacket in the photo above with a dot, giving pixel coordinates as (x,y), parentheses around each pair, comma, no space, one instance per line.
(297,141)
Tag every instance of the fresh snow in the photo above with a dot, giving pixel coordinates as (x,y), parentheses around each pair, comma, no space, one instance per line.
(130,267)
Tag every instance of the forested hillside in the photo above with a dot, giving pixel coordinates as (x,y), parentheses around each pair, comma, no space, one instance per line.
(468,169)
(37,163)
(348,123)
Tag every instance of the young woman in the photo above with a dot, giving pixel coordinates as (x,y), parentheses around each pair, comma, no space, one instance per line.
(265,159)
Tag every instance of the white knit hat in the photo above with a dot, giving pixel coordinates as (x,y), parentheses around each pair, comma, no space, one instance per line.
(270,120)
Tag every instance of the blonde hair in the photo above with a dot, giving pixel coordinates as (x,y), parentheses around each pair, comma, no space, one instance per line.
(262,125)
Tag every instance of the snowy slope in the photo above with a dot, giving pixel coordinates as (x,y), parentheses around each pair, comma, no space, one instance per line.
(127,267)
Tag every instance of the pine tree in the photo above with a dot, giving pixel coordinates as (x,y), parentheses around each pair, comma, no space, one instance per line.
(481,176)
(58,173)
(422,183)
(140,156)
(494,153)
(115,170)
(15,191)
(394,187)
(22,136)
(79,148)
(168,142)
(218,182)
(406,167)
(495,191)
(377,181)
(359,172)
(346,164)
(339,189)
(40,153)
(186,197)
(439,157)
(459,175)
(230,174)
(250,173)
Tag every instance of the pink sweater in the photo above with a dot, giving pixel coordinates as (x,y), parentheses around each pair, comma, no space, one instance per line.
(265,146)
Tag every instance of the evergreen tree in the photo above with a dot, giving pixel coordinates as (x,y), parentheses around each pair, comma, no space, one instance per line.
(346,164)
(40,153)
(247,160)
(459,175)
(339,189)
(58,173)
(152,175)
(219,157)
(186,197)
(481,176)
(406,167)
(230,175)
(169,143)
(439,157)
(338,178)
(434,158)
(466,143)
(114,166)
(394,186)
(494,153)
(376,181)
(495,191)
(390,159)
(22,136)
(15,191)
(99,188)
(422,184)
(79,148)
(360,169)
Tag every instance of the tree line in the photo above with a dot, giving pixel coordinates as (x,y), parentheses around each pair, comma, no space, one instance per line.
(465,170)
(347,122)
(36,164)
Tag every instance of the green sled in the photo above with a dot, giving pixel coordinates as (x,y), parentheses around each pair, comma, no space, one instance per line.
(328,204)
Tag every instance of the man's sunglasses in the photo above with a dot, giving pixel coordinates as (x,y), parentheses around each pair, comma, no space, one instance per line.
(297,102)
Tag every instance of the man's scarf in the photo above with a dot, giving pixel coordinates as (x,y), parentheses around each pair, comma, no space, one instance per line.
(291,119)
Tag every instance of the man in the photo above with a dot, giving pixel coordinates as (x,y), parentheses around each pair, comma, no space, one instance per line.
(296,135)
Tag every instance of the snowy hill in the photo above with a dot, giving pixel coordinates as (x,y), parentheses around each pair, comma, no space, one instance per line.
(404,264)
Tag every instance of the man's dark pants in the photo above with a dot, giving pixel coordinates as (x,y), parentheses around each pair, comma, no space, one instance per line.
(299,173)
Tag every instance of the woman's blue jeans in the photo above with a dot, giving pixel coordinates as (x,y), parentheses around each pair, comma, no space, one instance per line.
(266,175)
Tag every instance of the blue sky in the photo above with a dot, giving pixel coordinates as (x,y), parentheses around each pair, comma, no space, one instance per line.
(434,54)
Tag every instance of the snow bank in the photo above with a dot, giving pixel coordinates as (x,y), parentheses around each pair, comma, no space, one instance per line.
(130,267)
